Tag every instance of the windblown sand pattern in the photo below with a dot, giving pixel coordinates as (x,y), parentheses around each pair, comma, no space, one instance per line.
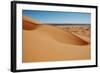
(52,43)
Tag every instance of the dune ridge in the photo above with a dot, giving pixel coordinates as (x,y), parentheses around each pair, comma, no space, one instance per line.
(49,43)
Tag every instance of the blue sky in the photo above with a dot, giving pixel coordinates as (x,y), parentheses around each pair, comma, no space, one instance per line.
(59,17)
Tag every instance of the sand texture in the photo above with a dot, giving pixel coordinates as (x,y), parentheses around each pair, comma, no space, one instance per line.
(51,43)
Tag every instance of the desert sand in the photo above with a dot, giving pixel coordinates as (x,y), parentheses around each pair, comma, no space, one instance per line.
(50,43)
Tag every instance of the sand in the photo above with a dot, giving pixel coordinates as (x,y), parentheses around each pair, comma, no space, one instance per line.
(50,43)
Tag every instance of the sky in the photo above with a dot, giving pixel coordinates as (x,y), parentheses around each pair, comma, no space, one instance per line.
(55,17)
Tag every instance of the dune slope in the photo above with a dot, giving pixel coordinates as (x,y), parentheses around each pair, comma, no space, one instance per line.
(49,43)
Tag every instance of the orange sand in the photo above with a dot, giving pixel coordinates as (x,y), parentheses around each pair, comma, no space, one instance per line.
(50,43)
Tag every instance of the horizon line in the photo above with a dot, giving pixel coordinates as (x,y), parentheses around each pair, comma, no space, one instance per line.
(68,23)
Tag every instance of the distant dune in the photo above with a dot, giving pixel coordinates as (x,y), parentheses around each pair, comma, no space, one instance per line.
(50,43)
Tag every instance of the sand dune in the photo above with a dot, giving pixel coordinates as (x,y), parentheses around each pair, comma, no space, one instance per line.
(29,23)
(49,43)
